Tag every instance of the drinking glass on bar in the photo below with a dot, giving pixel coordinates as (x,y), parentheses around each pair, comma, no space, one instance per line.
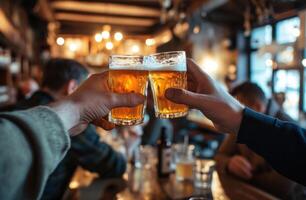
(203,173)
(127,74)
(184,161)
(167,70)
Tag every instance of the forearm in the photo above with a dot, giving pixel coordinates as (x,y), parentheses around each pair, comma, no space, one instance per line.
(282,144)
(33,142)
(69,113)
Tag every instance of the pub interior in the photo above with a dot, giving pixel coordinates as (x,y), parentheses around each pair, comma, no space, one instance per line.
(254,49)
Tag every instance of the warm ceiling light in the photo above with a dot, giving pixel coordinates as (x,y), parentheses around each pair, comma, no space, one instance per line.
(105,34)
(118,36)
(135,48)
(98,37)
(150,42)
(109,45)
(60,41)
(73,47)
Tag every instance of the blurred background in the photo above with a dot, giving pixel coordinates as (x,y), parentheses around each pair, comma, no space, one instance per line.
(233,40)
(262,41)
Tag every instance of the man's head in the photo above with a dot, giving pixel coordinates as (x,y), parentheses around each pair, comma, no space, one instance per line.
(251,95)
(63,76)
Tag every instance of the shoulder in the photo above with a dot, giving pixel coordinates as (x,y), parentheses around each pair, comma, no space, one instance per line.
(284,116)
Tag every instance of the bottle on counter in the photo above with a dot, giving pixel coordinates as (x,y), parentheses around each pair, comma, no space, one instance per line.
(164,155)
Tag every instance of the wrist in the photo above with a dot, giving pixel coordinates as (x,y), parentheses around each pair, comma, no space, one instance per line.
(238,119)
(68,111)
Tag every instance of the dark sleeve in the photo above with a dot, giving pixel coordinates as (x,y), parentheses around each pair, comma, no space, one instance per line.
(282,144)
(97,156)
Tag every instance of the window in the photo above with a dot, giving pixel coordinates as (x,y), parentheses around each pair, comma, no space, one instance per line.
(261,36)
(288,30)
(286,56)
(261,71)
(288,81)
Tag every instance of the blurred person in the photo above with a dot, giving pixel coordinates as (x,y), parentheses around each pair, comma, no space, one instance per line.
(281,143)
(60,78)
(26,88)
(280,98)
(239,160)
(32,142)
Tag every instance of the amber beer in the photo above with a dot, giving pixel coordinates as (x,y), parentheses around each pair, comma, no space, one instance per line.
(167,70)
(184,170)
(126,75)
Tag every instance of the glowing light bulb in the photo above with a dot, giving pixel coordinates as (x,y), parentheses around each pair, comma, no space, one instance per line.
(98,37)
(109,45)
(105,34)
(73,47)
(118,36)
(135,48)
(60,41)
(150,42)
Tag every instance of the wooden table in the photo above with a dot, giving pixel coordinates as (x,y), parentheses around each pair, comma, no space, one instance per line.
(143,184)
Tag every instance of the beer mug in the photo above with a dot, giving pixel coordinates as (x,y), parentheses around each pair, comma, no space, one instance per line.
(167,70)
(127,74)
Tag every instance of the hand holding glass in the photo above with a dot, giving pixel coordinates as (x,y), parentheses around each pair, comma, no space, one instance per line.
(127,74)
(167,70)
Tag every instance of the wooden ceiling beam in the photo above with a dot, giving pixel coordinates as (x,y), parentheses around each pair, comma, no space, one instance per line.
(91,28)
(44,9)
(104,19)
(145,3)
(205,5)
(107,8)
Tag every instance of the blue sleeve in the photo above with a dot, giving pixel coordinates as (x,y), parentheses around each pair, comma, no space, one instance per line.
(97,156)
(282,144)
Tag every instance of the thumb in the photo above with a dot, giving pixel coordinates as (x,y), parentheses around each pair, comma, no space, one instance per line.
(186,97)
(126,100)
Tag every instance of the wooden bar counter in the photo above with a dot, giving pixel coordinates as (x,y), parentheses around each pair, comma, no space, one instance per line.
(143,184)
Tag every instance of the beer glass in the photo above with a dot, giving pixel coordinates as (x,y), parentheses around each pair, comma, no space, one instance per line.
(167,70)
(127,74)
(184,162)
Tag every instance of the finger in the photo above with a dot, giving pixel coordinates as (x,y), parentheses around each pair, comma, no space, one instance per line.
(244,172)
(196,74)
(126,100)
(241,171)
(103,123)
(245,163)
(186,97)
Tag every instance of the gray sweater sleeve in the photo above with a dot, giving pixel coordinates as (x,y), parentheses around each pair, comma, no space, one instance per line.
(32,143)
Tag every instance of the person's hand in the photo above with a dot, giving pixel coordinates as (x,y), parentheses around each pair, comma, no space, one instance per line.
(207,95)
(240,167)
(92,101)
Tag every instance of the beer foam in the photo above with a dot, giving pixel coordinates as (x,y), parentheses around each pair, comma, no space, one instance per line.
(126,67)
(126,62)
(160,67)
(157,62)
